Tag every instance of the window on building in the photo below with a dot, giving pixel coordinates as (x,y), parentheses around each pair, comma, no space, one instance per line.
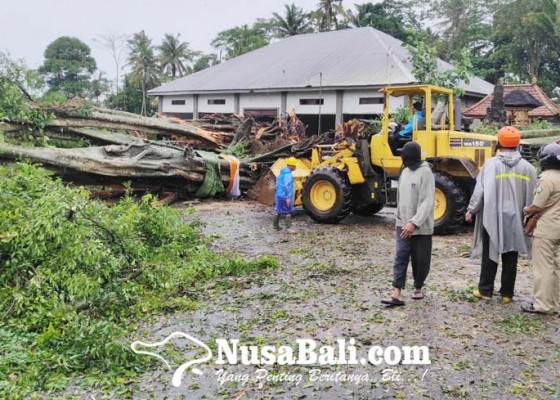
(216,101)
(309,102)
(261,114)
(177,102)
(372,100)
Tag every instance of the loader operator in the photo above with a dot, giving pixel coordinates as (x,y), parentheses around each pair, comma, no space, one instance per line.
(418,117)
(404,134)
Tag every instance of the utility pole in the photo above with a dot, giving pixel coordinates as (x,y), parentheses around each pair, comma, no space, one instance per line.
(321,100)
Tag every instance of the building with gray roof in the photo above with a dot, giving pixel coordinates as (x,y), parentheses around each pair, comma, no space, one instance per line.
(332,76)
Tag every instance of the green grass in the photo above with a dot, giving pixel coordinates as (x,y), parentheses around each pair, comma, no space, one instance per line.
(522,323)
(460,295)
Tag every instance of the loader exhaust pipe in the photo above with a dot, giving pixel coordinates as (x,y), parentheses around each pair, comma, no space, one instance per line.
(457,113)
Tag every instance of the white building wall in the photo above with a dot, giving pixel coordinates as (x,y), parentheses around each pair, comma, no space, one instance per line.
(204,107)
(260,100)
(329,106)
(171,108)
(351,102)
(397,102)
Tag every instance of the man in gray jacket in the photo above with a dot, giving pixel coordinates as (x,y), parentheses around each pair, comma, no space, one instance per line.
(415,223)
(503,188)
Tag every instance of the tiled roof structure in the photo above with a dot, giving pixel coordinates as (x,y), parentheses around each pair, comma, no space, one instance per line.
(547,109)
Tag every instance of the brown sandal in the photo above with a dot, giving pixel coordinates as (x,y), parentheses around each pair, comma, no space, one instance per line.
(418,295)
(393,301)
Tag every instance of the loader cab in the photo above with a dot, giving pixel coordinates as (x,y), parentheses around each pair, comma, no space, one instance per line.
(401,133)
(385,149)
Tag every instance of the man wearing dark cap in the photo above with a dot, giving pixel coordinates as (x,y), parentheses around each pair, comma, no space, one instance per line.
(415,223)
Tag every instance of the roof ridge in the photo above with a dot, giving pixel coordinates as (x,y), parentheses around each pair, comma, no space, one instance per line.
(390,53)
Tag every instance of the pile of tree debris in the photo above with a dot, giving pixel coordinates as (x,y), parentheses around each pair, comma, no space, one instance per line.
(112,151)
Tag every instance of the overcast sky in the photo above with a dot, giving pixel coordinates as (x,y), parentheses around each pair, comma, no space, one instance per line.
(27,27)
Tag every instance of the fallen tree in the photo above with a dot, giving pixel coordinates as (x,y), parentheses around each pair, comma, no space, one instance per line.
(110,149)
(103,152)
(138,162)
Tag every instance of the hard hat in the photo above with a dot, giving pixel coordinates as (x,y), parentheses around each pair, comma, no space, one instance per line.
(292,161)
(549,156)
(509,136)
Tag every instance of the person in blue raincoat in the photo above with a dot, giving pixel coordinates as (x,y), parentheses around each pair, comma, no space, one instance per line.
(284,196)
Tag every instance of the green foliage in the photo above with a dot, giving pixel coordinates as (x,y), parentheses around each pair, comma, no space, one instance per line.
(520,323)
(204,61)
(537,124)
(387,16)
(527,39)
(99,86)
(465,25)
(130,98)
(426,68)
(401,114)
(16,103)
(175,56)
(372,127)
(52,98)
(145,68)
(78,275)
(294,22)
(240,150)
(68,66)
(17,84)
(486,129)
(240,40)
(328,15)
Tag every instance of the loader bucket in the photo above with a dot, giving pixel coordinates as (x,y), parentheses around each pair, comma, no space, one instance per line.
(264,189)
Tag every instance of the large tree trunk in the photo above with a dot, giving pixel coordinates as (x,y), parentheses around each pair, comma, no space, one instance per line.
(126,161)
(132,122)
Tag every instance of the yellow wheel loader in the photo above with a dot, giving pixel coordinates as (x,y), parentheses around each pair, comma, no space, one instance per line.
(361,177)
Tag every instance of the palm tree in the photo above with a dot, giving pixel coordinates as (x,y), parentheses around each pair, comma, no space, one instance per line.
(174,55)
(295,22)
(326,14)
(144,65)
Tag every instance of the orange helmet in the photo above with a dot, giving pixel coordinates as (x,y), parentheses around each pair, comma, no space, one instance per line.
(509,136)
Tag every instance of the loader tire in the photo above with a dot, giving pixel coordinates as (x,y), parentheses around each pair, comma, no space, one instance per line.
(367,210)
(450,205)
(326,195)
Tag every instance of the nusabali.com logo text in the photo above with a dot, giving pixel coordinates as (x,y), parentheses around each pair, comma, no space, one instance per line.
(305,352)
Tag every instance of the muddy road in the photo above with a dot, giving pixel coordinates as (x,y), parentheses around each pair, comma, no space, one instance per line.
(329,286)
